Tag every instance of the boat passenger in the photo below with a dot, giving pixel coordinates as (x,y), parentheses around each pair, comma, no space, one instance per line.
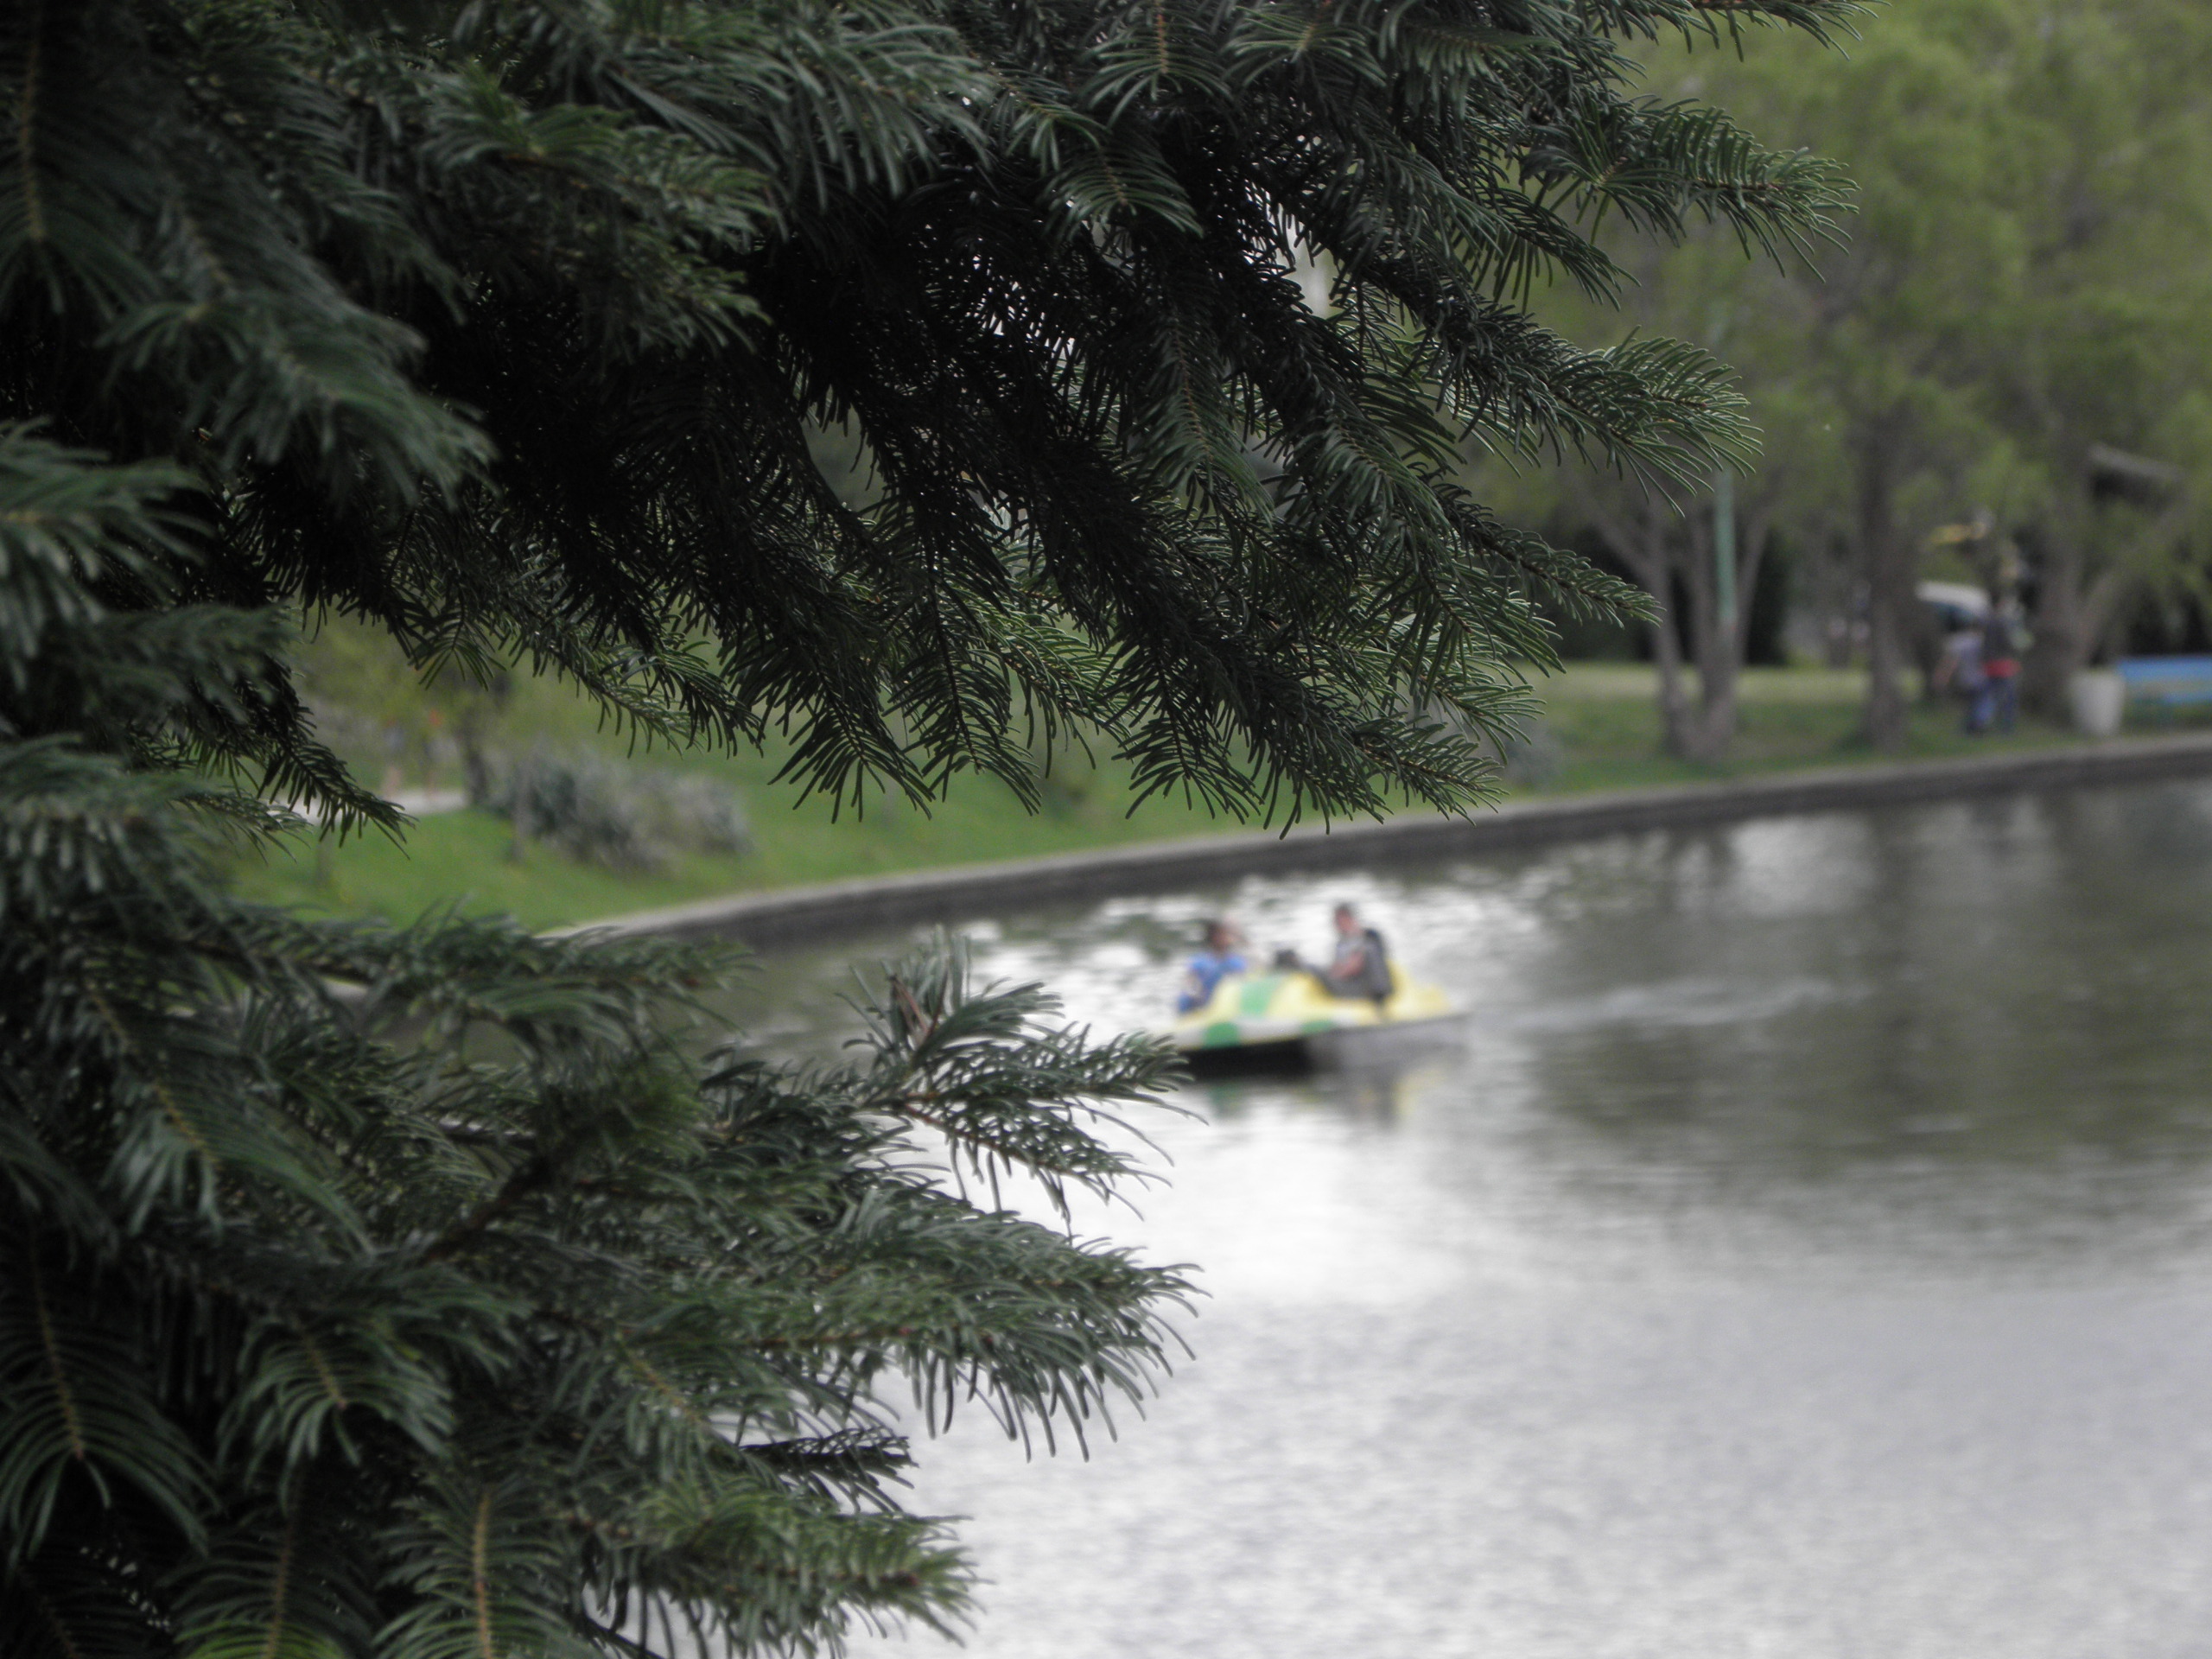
(1219,958)
(1362,965)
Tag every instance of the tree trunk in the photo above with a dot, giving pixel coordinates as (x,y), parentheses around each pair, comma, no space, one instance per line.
(1717,643)
(1721,667)
(2060,643)
(2073,615)
(1666,653)
(1639,540)
(1703,732)
(520,812)
(1888,561)
(1707,736)
(1714,730)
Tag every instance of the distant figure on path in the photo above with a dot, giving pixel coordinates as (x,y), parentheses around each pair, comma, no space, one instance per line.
(1218,958)
(1961,672)
(2001,645)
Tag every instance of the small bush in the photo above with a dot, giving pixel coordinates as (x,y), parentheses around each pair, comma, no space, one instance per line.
(620,816)
(1531,759)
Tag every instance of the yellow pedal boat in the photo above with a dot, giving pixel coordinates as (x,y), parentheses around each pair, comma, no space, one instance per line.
(1289,1020)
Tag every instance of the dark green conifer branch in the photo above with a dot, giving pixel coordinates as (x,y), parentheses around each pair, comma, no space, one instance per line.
(417,1293)
(1040,258)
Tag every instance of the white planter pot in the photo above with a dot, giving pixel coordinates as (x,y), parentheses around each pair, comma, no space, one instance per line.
(2099,698)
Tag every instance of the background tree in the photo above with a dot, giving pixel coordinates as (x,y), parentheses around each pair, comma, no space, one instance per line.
(1667,536)
(2106,391)
(2018,296)
(469,1312)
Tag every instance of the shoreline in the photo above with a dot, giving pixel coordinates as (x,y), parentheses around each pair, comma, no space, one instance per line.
(960,893)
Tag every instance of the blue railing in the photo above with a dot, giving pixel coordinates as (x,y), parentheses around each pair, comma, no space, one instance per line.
(2167,680)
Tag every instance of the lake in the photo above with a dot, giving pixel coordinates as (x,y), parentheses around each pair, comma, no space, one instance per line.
(1807,1253)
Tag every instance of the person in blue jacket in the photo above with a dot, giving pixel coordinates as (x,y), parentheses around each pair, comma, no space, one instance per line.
(1219,958)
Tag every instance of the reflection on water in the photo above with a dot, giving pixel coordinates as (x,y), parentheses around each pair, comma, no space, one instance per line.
(1809,1253)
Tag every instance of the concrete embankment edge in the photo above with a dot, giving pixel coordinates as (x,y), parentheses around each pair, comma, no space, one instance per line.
(796,915)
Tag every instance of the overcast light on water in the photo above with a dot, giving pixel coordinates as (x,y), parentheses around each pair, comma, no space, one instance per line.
(1806,1252)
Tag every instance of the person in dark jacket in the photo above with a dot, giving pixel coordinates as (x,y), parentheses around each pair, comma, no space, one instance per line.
(1959,673)
(1361,966)
(2001,649)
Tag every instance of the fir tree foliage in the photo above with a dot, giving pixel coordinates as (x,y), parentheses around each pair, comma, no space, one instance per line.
(422,1293)
(508,326)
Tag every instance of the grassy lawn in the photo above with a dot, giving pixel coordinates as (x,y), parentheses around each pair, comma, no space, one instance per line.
(1604,718)
(466,857)
(1601,731)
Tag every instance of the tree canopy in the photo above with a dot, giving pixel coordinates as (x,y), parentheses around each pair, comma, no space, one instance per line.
(426,1291)
(516,328)
(2019,296)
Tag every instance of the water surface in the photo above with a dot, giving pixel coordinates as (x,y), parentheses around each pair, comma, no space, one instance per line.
(1808,1253)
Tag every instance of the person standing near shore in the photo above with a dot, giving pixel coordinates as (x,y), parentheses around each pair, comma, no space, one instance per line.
(2002,642)
(1960,674)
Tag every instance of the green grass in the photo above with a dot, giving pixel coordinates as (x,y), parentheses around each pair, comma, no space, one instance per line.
(465,856)
(1605,719)
(1600,718)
